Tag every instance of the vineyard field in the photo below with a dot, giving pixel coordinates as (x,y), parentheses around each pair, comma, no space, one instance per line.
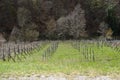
(68,57)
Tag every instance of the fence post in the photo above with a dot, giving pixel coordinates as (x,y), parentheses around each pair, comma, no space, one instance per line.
(18,52)
(3,57)
(93,55)
(9,54)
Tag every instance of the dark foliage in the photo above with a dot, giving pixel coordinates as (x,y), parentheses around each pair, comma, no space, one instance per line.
(39,19)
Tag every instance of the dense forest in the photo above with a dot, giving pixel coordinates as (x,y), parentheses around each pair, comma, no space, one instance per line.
(28,20)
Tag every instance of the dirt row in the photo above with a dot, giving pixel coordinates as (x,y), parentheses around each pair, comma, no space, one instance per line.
(53,77)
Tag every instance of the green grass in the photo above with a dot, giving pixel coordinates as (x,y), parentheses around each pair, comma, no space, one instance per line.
(65,60)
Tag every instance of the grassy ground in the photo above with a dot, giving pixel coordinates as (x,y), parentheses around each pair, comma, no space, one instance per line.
(65,60)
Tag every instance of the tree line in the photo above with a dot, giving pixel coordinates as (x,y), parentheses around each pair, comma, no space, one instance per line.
(28,20)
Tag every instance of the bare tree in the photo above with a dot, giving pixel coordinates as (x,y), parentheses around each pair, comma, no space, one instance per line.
(72,25)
